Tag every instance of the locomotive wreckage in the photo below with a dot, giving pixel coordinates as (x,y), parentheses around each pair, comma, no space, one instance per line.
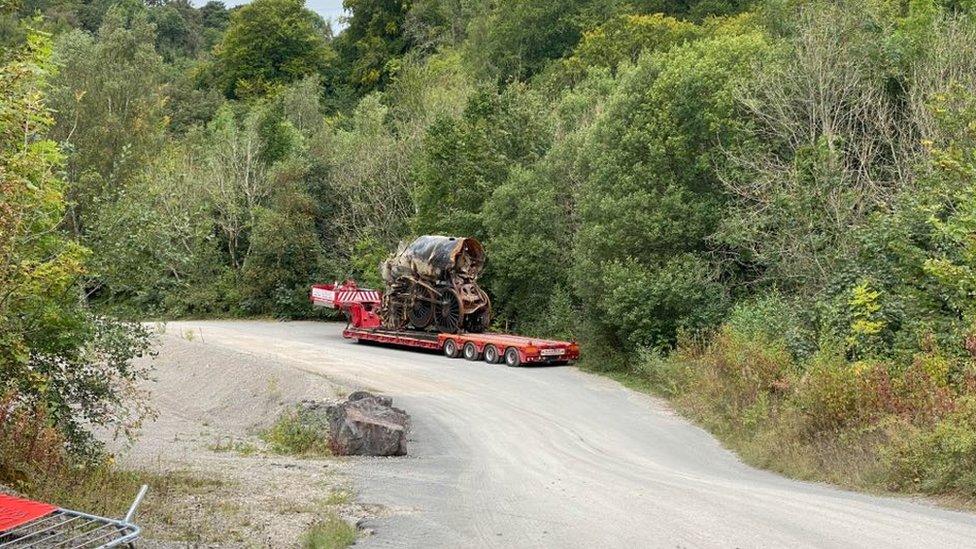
(431,284)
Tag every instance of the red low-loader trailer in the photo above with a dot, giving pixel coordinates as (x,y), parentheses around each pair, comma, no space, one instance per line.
(362,306)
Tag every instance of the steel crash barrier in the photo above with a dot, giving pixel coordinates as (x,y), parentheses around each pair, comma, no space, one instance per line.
(25,523)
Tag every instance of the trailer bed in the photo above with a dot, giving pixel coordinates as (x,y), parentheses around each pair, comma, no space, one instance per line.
(514,350)
(423,340)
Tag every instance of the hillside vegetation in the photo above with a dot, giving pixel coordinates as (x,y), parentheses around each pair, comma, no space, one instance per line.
(765,210)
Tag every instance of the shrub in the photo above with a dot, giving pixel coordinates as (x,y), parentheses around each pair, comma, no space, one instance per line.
(835,394)
(667,375)
(29,445)
(772,318)
(330,533)
(298,434)
(939,459)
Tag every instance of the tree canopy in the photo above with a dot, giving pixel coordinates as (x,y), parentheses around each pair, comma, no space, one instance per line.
(269,43)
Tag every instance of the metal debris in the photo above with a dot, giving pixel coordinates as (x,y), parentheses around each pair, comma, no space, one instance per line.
(431,284)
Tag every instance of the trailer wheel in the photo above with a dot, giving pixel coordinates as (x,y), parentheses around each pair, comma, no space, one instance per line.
(451,349)
(512,358)
(491,354)
(471,352)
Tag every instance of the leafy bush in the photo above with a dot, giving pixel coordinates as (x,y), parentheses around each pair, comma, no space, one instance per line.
(835,394)
(298,434)
(329,533)
(269,43)
(652,198)
(770,317)
(55,355)
(29,445)
(940,458)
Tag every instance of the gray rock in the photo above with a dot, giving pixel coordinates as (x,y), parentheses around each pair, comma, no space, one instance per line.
(362,425)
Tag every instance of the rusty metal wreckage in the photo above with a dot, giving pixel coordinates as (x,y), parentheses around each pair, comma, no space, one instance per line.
(431,284)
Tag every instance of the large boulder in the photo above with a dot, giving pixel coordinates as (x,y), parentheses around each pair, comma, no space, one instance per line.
(362,425)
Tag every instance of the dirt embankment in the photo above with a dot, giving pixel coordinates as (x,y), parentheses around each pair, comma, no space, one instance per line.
(220,484)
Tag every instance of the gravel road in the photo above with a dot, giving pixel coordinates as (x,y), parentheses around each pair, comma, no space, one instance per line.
(554,457)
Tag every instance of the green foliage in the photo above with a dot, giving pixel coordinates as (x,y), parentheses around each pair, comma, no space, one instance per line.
(624,38)
(179,29)
(370,47)
(811,169)
(647,305)
(516,38)
(269,43)
(692,9)
(54,354)
(773,318)
(110,108)
(300,433)
(284,259)
(530,244)
(939,459)
(465,160)
(653,197)
(329,533)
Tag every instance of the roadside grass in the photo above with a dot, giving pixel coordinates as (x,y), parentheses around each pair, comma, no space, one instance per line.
(294,434)
(330,532)
(34,463)
(864,426)
(338,497)
(242,448)
(170,511)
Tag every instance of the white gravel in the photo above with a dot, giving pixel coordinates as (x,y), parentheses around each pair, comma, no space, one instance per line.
(552,457)
(213,402)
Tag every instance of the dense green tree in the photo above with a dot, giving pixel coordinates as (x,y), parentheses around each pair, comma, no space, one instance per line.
(145,271)
(109,100)
(214,16)
(372,43)
(466,159)
(532,216)
(624,38)
(53,352)
(696,10)
(514,39)
(653,199)
(435,23)
(179,29)
(363,180)
(285,257)
(270,43)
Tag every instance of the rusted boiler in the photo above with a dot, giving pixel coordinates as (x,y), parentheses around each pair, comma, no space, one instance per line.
(432,284)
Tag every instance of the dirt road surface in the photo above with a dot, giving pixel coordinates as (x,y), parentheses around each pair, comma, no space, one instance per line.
(554,457)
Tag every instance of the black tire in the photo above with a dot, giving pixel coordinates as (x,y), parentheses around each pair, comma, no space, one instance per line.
(512,359)
(451,349)
(470,351)
(491,354)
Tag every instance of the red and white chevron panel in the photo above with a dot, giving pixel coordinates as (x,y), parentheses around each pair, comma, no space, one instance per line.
(338,298)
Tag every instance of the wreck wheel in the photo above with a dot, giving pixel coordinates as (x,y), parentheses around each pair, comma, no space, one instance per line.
(394,316)
(422,312)
(448,312)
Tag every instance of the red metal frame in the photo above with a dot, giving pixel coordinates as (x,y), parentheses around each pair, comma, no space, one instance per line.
(531,351)
(361,305)
(402,339)
(362,310)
